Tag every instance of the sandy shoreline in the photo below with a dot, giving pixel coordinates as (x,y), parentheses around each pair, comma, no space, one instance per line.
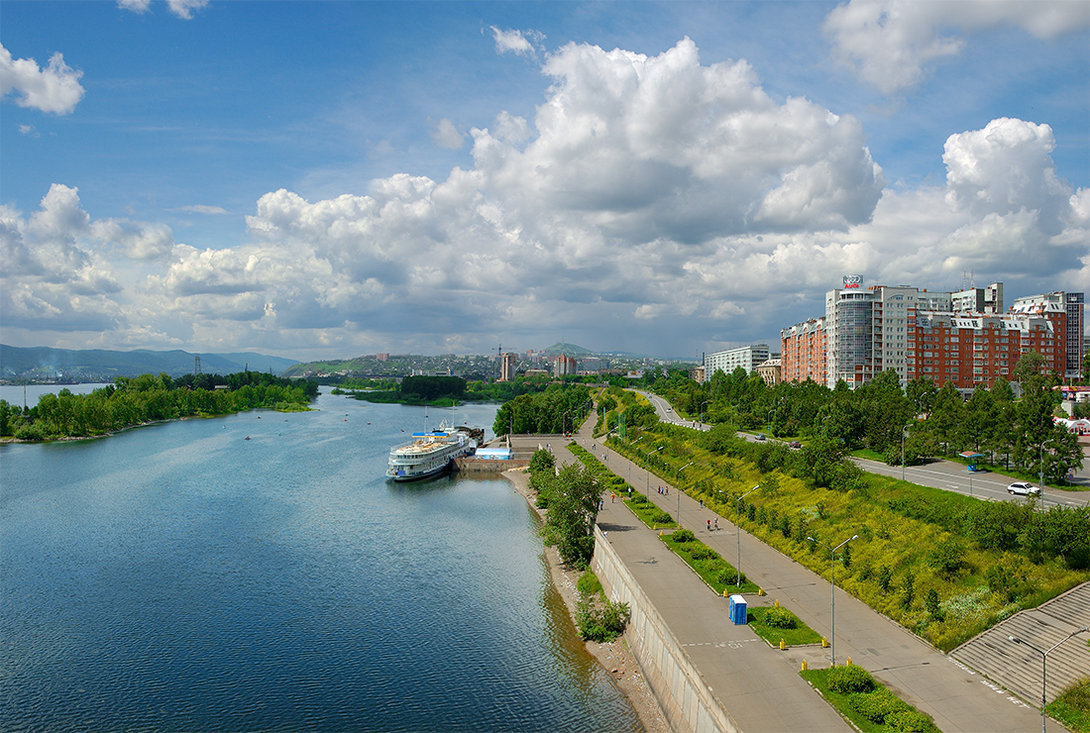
(615,657)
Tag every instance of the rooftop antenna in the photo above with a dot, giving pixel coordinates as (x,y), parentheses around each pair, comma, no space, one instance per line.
(196,364)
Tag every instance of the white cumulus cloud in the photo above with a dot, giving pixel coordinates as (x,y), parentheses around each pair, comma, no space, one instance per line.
(890,43)
(54,89)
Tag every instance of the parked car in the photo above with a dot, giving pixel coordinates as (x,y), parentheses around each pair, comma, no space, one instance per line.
(1023,488)
(760,436)
(794,444)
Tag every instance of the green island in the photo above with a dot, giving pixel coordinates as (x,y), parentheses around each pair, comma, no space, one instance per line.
(867,703)
(132,401)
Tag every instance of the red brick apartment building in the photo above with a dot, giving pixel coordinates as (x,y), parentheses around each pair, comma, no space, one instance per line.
(802,352)
(971,349)
(961,338)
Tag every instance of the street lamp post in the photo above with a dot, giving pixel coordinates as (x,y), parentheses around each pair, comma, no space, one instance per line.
(738,534)
(647,473)
(678,488)
(904,434)
(832,582)
(1044,662)
(1041,465)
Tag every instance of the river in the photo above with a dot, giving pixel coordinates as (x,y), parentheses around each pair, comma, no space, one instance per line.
(181,577)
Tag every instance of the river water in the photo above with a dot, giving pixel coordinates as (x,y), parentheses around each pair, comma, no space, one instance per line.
(179,577)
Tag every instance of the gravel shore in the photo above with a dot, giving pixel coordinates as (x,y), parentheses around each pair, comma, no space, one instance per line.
(615,657)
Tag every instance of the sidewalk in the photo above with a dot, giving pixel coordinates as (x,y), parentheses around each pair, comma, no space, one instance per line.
(957,698)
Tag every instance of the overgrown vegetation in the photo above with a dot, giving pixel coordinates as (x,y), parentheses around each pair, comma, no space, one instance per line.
(944,565)
(137,400)
(598,618)
(1072,706)
(868,704)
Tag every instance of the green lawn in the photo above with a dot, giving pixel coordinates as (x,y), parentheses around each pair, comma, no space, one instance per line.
(877,711)
(710,566)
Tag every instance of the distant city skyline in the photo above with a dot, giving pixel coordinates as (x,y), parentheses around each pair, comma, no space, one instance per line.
(327,179)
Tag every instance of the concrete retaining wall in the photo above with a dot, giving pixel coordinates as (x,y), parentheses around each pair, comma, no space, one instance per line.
(685,698)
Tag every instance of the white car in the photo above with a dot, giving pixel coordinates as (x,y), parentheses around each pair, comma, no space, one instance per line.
(1023,488)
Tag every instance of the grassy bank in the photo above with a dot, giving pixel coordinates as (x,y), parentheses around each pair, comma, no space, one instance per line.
(910,561)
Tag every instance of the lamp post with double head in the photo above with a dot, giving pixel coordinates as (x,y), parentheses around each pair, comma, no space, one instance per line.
(1041,465)
(1044,662)
(647,473)
(738,534)
(832,582)
(678,489)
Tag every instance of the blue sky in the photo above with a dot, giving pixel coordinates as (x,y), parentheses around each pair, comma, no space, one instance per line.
(326,179)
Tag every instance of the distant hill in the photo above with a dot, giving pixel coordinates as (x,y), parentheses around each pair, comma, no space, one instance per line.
(44,363)
(568,349)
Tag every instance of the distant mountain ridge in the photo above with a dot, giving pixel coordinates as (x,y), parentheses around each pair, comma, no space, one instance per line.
(45,363)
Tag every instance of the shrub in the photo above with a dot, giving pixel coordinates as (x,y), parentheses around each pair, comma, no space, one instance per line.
(876,705)
(703,552)
(910,721)
(850,678)
(683,535)
(588,584)
(728,577)
(661,517)
(781,618)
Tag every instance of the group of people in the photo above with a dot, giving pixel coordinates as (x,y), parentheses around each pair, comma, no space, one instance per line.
(710,527)
(664,490)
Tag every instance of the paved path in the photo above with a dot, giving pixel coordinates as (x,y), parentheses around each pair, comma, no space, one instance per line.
(956,697)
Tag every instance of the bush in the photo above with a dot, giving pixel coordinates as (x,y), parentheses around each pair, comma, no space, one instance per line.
(588,584)
(661,517)
(781,618)
(683,535)
(850,678)
(876,705)
(910,721)
(702,552)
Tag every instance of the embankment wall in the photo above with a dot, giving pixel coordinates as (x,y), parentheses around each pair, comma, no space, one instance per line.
(685,698)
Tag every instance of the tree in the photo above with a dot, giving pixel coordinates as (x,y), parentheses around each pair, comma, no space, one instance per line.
(569,523)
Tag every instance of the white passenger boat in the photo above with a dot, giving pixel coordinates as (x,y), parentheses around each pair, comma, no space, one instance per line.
(430,453)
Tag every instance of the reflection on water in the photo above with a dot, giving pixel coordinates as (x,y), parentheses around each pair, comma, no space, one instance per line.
(179,577)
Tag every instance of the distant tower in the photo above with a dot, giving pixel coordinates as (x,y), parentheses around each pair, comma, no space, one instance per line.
(197,364)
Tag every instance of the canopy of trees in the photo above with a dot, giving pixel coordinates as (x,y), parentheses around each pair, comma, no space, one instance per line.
(136,400)
(559,408)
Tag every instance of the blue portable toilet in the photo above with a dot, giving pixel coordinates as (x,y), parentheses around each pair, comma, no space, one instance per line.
(737,611)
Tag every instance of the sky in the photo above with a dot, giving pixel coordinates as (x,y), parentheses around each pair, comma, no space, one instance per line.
(323,180)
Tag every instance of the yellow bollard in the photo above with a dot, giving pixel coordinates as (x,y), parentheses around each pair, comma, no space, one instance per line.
(776,603)
(660,533)
(804,665)
(783,646)
(824,643)
(725,593)
(848,662)
(760,591)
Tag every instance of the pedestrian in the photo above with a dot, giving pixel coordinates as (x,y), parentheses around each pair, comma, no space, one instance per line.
(709,525)
(701,503)
(717,522)
(612,497)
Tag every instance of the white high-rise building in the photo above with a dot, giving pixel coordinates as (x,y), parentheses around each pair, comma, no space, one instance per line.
(866,332)
(747,357)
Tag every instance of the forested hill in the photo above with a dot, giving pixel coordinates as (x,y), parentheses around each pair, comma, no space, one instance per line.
(94,365)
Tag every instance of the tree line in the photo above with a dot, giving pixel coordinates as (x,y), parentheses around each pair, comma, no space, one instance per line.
(921,421)
(560,408)
(136,400)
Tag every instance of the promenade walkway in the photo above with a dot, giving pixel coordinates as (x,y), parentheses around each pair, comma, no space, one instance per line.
(759,686)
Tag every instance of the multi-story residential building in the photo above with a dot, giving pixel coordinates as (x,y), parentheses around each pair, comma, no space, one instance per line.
(968,350)
(802,352)
(507,367)
(1073,307)
(747,357)
(866,333)
(564,366)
